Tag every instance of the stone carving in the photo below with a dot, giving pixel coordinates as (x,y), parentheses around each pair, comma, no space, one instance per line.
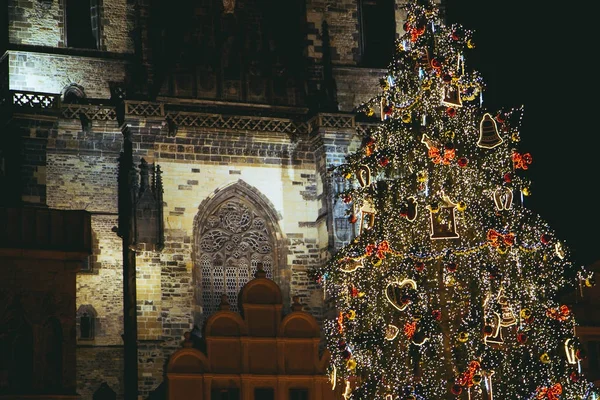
(235,239)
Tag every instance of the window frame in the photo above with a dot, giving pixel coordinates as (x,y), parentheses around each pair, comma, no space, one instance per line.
(378,14)
(95,6)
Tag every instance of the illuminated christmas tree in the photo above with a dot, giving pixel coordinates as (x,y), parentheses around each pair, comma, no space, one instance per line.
(451,288)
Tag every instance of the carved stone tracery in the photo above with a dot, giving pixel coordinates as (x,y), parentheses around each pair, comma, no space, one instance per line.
(234,240)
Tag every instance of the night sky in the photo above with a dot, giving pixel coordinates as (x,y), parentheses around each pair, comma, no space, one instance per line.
(540,55)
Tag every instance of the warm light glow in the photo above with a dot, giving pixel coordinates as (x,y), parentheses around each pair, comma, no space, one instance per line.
(477,277)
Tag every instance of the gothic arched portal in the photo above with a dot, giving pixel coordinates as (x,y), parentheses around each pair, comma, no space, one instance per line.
(235,229)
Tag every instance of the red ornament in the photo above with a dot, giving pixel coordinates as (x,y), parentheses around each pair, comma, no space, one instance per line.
(574,376)
(419,266)
(488,330)
(580,354)
(347,199)
(456,389)
(437,315)
(451,266)
(435,63)
(353,218)
(405,299)
(383,161)
(462,162)
(521,337)
(387,110)
(451,111)
(500,118)
(455,36)
(507,177)
(545,239)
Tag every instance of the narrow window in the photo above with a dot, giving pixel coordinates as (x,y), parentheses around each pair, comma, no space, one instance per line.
(378,32)
(82,23)
(264,394)
(86,326)
(225,394)
(298,394)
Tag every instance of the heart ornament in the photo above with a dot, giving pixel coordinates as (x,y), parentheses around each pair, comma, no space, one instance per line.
(396,289)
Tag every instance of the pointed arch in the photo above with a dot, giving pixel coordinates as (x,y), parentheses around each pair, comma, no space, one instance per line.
(236,228)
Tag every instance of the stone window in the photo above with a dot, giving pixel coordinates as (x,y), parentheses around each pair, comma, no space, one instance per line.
(377,32)
(82,20)
(91,265)
(234,240)
(86,322)
(225,394)
(298,394)
(264,394)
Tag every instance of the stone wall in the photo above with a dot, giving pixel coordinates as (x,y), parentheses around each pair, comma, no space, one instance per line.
(356,85)
(70,166)
(51,73)
(82,174)
(97,364)
(42,23)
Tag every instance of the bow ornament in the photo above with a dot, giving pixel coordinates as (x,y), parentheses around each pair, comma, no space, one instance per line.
(550,393)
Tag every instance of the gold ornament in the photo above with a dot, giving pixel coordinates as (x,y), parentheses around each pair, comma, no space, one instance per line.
(351,364)
(394,292)
(370,112)
(351,315)
(589,282)
(525,313)
(470,44)
(422,176)
(545,358)
(461,206)
(463,337)
(525,191)
(406,118)
(488,132)
(477,379)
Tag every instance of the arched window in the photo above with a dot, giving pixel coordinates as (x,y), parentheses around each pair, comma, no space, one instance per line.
(86,322)
(377,32)
(235,231)
(234,240)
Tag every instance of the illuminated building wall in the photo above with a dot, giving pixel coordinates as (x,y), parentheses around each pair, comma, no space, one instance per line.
(244,146)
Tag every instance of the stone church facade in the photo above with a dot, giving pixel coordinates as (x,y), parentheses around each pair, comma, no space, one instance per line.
(235,111)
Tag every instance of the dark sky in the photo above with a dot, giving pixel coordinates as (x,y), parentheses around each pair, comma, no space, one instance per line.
(541,55)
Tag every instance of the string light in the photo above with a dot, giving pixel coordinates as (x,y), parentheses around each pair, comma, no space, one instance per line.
(472,277)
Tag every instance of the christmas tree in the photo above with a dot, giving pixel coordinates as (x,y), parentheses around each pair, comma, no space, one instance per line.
(451,287)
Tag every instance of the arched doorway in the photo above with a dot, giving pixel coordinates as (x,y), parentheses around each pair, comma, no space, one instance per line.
(235,229)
